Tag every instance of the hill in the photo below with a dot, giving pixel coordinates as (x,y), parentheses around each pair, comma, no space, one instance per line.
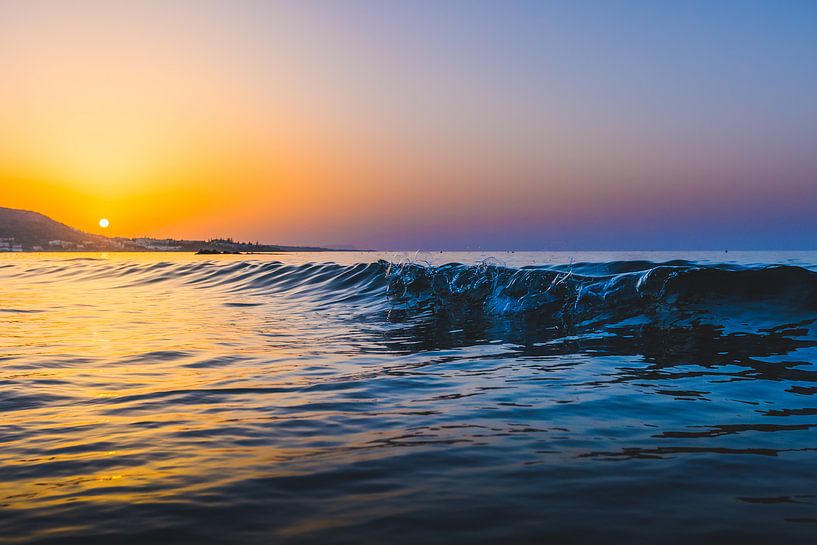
(32,230)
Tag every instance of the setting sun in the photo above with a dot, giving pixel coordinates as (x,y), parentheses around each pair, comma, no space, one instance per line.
(104,223)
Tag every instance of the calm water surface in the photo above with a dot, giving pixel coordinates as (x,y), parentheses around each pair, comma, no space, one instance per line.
(334,398)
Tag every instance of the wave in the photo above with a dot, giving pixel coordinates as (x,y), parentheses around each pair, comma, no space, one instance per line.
(607,293)
(565,296)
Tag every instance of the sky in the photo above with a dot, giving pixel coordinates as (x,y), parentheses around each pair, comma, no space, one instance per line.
(402,125)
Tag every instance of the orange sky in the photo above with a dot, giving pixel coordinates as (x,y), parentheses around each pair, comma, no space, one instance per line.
(314,123)
(175,127)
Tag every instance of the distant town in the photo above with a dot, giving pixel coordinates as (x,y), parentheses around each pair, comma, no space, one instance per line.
(143,244)
(27,231)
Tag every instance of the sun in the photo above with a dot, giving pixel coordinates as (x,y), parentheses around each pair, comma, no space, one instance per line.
(104,223)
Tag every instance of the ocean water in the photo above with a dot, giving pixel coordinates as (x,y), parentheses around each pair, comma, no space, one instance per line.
(426,398)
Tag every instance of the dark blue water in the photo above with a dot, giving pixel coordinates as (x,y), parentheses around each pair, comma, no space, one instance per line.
(172,399)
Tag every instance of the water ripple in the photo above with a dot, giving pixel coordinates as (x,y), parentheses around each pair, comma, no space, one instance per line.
(171,399)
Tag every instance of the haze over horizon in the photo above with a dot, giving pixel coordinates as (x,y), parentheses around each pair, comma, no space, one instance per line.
(524,125)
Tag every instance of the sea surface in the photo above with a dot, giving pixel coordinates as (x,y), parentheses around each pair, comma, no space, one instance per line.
(367,398)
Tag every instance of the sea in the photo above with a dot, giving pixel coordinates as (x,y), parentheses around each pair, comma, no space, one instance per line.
(409,398)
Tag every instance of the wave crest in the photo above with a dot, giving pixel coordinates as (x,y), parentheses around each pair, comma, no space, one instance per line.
(590,294)
(669,292)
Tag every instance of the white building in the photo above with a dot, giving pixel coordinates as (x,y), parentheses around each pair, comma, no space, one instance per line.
(7,244)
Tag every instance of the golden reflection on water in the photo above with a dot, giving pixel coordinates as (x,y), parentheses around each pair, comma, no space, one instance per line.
(233,396)
(81,346)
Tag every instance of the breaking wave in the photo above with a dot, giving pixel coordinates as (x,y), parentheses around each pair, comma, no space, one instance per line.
(607,293)
(566,296)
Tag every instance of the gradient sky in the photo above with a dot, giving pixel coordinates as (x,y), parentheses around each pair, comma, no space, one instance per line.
(417,125)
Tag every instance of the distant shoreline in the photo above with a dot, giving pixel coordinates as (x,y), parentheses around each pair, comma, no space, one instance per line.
(185,251)
(28,231)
